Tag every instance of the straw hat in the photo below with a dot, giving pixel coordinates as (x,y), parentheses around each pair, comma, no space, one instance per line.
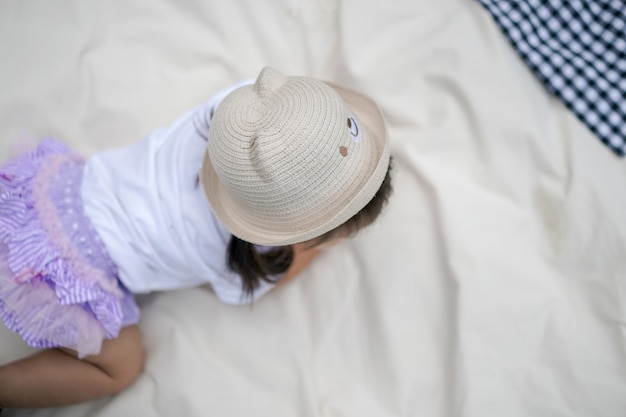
(291,158)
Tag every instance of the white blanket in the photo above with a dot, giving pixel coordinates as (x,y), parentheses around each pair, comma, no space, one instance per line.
(495,283)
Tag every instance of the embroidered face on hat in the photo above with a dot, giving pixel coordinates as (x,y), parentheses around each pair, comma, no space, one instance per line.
(290,158)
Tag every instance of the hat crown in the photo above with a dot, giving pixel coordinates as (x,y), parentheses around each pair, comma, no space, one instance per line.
(282,135)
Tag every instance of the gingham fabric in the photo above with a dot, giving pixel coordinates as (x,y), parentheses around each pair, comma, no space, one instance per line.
(577,48)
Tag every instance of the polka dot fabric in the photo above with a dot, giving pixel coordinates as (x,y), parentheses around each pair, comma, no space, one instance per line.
(578,50)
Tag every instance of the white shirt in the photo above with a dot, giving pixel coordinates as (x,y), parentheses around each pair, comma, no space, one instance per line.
(148,207)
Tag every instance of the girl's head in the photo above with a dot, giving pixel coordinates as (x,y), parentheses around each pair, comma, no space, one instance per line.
(293,159)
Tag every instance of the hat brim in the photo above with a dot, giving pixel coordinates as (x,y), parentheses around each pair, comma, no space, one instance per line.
(246,227)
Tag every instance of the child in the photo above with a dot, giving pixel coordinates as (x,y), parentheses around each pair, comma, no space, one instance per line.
(289,164)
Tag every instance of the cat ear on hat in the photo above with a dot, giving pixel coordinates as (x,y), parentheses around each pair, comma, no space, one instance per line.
(268,81)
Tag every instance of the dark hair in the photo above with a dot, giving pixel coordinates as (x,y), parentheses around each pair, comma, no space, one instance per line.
(255,266)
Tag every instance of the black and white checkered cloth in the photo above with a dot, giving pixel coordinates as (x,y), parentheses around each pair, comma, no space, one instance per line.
(578,50)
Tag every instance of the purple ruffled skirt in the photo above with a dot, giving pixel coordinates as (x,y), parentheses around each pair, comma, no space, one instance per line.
(58,285)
